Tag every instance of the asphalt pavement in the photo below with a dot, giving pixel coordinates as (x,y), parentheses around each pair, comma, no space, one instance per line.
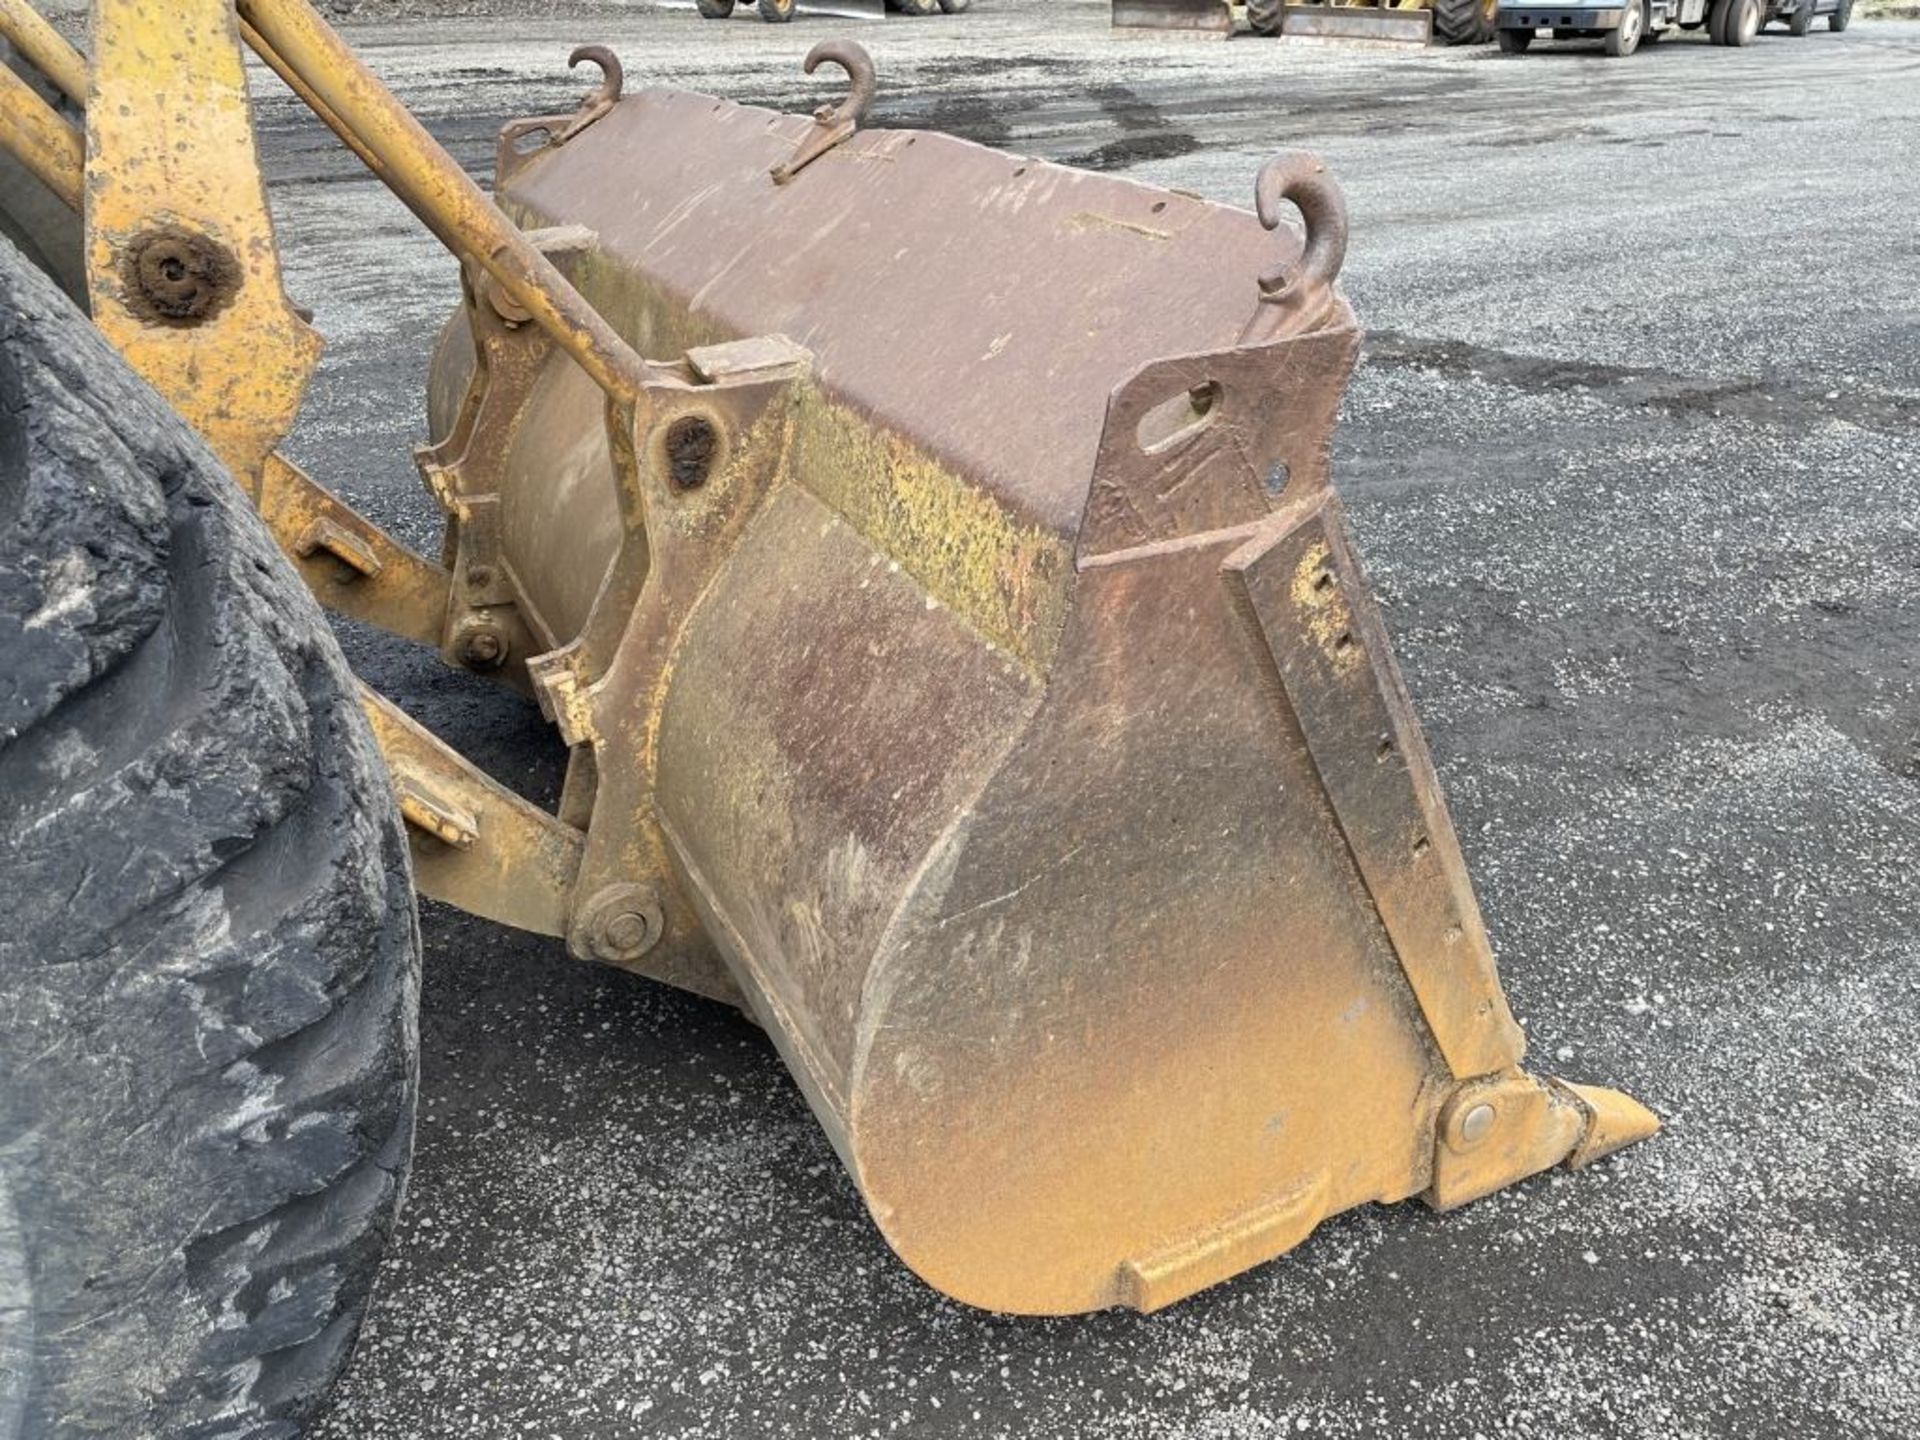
(1633,459)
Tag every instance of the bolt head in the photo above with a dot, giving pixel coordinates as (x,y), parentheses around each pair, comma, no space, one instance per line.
(482,647)
(1477,1123)
(619,924)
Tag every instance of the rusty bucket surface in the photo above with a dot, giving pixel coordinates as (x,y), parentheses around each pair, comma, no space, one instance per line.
(996,690)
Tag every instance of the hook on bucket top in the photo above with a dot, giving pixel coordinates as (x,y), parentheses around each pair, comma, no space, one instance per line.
(832,124)
(1294,298)
(520,140)
(603,99)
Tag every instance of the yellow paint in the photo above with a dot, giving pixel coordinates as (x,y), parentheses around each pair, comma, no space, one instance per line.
(1007,579)
(1315,590)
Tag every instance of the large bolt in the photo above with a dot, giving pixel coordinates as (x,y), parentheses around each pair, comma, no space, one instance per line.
(1477,1123)
(620,923)
(480,645)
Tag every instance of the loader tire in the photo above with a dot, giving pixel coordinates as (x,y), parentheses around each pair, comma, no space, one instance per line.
(1265,17)
(209,967)
(714,9)
(776,12)
(1462,22)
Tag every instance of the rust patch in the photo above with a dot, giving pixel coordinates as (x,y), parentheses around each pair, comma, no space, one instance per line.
(179,277)
(692,442)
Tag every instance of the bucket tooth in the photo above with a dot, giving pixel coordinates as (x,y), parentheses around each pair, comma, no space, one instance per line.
(1614,1121)
(1496,1131)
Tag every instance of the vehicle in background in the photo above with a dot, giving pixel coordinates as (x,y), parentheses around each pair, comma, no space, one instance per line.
(1623,26)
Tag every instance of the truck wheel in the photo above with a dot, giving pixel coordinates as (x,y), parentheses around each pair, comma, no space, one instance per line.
(1842,14)
(1801,21)
(1742,23)
(209,969)
(714,9)
(776,12)
(1624,38)
(956,7)
(1717,21)
(1265,17)
(1515,42)
(919,7)
(1462,22)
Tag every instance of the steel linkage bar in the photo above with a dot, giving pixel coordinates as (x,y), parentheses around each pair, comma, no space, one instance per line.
(398,148)
(45,48)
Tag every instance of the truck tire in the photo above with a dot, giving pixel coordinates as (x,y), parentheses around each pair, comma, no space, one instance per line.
(1842,14)
(1462,22)
(776,12)
(1743,22)
(209,966)
(956,7)
(1625,37)
(714,9)
(1801,21)
(1515,42)
(1717,21)
(1266,17)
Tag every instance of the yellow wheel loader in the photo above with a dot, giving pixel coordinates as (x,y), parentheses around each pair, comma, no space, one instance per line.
(967,675)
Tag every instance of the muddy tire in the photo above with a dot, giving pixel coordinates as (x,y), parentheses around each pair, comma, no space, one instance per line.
(714,9)
(1462,22)
(1515,42)
(776,12)
(1265,17)
(209,967)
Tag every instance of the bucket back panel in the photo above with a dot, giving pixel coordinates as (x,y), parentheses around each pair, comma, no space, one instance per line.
(562,468)
(985,304)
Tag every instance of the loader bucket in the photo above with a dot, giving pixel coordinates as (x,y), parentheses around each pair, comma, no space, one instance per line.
(995,707)
(1204,17)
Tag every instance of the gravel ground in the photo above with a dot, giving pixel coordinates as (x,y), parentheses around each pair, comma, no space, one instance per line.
(1634,459)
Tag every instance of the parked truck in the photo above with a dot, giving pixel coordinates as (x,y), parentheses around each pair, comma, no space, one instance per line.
(1623,26)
